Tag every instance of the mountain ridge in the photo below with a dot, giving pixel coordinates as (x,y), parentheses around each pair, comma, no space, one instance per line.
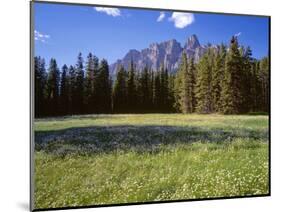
(167,52)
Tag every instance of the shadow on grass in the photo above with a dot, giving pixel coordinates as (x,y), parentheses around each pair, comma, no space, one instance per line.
(99,139)
(78,117)
(258,114)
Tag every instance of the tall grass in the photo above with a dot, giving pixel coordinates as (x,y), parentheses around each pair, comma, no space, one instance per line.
(109,159)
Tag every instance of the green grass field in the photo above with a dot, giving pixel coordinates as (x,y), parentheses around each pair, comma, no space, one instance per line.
(109,159)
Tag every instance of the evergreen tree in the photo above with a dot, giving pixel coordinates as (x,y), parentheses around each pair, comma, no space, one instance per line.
(37,89)
(40,86)
(264,83)
(150,90)
(178,84)
(183,88)
(105,88)
(120,91)
(171,93)
(97,92)
(72,79)
(144,90)
(89,84)
(64,91)
(203,85)
(218,76)
(138,91)
(255,86)
(78,87)
(157,92)
(53,88)
(231,87)
(190,81)
(163,89)
(246,80)
(132,92)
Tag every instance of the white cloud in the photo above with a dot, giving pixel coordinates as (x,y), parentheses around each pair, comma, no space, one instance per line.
(182,20)
(109,11)
(161,16)
(238,34)
(40,36)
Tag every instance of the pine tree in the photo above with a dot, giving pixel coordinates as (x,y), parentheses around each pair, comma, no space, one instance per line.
(264,80)
(255,86)
(184,88)
(132,92)
(72,78)
(246,80)
(64,91)
(231,88)
(97,92)
(218,76)
(171,93)
(150,90)
(105,88)
(179,83)
(138,100)
(157,92)
(190,80)
(163,89)
(40,86)
(203,85)
(144,90)
(37,86)
(78,89)
(89,84)
(53,88)
(120,91)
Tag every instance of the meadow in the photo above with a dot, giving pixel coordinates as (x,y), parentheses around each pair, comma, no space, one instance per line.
(110,159)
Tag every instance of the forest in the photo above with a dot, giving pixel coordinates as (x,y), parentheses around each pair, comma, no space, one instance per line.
(226,80)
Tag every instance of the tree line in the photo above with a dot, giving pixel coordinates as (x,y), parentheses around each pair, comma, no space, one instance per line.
(226,80)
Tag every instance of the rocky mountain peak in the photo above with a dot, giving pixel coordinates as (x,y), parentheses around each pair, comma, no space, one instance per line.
(133,54)
(167,53)
(192,42)
(171,42)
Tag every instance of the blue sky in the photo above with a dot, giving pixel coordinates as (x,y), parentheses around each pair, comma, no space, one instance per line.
(62,31)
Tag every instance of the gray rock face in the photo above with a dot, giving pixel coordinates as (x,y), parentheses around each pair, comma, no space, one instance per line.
(167,53)
(192,42)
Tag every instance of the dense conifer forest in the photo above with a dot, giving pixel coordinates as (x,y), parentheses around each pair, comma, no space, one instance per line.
(226,80)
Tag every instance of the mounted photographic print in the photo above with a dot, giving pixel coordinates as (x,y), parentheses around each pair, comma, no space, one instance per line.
(137,105)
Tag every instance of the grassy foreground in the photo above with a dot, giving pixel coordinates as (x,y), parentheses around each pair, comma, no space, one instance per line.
(107,159)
